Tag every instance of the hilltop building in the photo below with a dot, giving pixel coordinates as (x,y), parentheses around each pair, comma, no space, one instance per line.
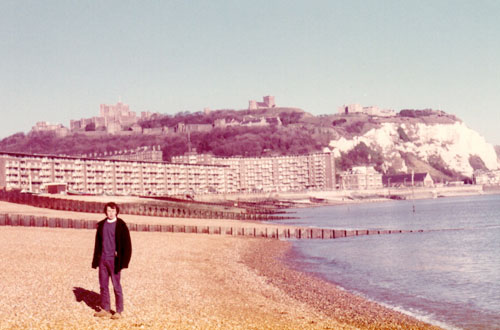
(268,102)
(251,121)
(224,122)
(84,124)
(248,121)
(43,126)
(184,128)
(370,110)
(112,119)
(118,114)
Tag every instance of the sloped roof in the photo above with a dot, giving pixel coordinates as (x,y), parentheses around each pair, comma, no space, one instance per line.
(402,178)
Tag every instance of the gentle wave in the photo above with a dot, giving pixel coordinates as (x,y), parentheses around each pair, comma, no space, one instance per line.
(449,275)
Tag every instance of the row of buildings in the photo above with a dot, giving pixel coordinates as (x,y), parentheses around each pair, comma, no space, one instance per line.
(486,177)
(366,177)
(142,172)
(248,121)
(119,119)
(44,126)
(89,175)
(144,153)
(112,119)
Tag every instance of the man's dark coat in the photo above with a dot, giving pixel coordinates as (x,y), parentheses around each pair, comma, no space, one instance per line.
(123,245)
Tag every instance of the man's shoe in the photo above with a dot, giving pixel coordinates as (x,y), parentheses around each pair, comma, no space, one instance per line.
(102,313)
(116,316)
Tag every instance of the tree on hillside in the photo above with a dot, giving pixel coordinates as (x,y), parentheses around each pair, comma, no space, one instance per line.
(174,146)
(361,155)
(13,142)
(90,127)
(355,128)
(288,118)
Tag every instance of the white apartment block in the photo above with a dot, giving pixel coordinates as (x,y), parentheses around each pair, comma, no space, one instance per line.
(361,177)
(268,174)
(114,177)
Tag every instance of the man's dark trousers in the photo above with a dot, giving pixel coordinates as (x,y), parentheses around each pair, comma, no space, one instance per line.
(107,270)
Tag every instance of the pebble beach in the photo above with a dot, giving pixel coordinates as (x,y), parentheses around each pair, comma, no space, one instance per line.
(175,281)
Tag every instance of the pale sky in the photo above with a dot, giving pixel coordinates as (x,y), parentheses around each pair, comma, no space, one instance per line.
(60,59)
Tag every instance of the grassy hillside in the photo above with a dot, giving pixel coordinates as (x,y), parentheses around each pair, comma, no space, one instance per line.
(299,133)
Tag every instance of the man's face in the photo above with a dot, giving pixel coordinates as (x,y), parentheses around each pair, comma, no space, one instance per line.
(110,212)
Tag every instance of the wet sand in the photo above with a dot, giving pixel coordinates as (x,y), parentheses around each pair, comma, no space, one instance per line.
(275,263)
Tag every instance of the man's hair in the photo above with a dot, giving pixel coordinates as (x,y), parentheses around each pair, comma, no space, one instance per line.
(113,206)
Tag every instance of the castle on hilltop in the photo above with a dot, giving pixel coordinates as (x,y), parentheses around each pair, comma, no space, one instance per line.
(44,126)
(268,102)
(119,113)
(112,119)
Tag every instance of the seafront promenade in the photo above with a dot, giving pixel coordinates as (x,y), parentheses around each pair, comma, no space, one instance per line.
(175,280)
(336,197)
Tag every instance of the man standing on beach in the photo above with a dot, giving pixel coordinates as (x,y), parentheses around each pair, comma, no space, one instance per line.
(112,252)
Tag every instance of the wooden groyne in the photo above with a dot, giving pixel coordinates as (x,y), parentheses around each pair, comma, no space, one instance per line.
(146,208)
(261,232)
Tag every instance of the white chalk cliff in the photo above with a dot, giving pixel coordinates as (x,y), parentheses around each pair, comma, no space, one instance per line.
(454,143)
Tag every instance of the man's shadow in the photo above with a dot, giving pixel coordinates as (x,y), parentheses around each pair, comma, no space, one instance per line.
(91,298)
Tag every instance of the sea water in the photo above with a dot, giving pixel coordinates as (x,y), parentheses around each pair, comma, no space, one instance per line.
(448,275)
